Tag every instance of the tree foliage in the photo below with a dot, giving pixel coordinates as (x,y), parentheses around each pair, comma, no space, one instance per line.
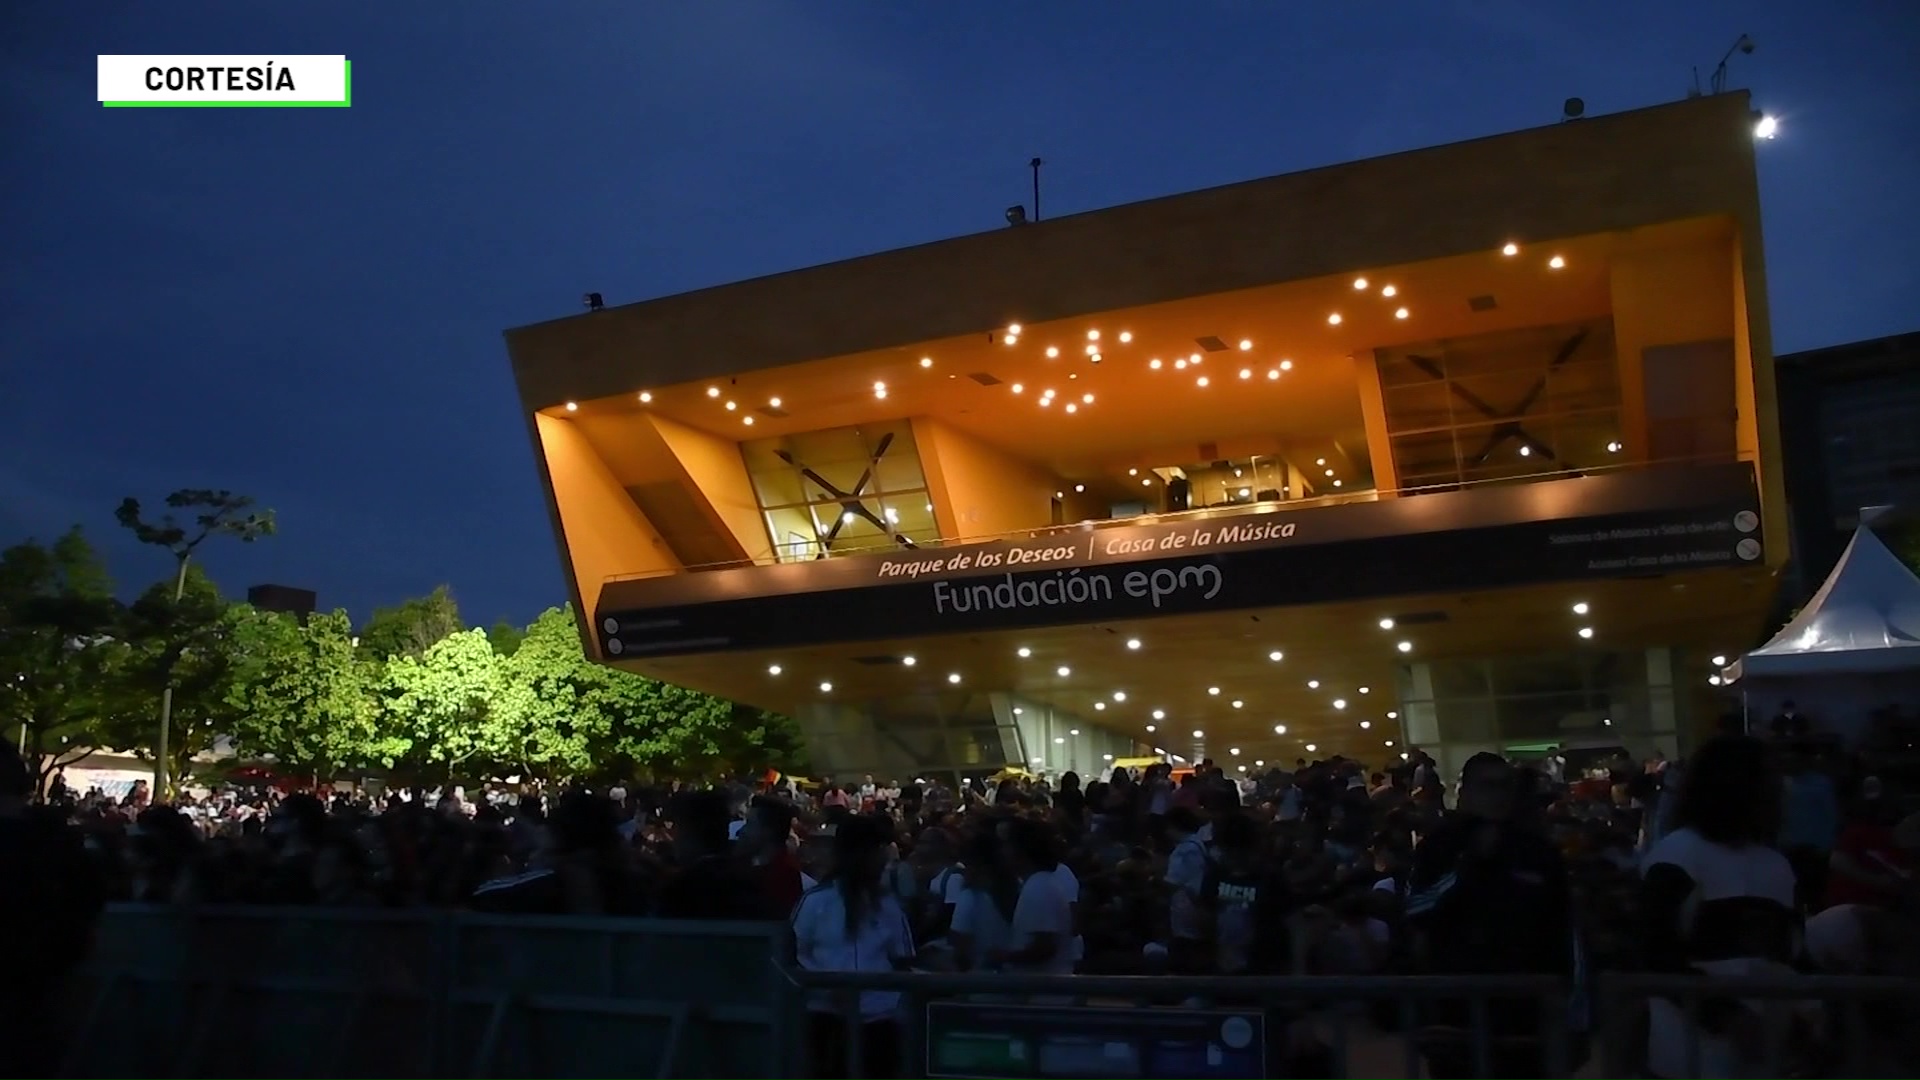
(413,690)
(60,664)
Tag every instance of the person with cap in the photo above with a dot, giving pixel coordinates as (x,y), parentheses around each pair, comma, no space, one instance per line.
(1488,895)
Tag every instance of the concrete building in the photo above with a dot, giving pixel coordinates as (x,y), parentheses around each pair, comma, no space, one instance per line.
(1469,447)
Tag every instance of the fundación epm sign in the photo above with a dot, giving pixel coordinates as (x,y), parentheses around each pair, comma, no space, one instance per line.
(233,82)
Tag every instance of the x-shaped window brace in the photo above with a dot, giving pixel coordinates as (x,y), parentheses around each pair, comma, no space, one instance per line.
(1509,426)
(851,502)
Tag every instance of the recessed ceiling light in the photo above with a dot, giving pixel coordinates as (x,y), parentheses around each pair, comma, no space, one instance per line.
(1119,695)
(1586,631)
(1193,358)
(1311,748)
(1526,451)
(1246,373)
(1245,345)
(826,688)
(1011,339)
(573,406)
(1013,328)
(1100,706)
(1023,652)
(1511,249)
(1019,388)
(713,391)
(1339,703)
(1093,350)
(908,660)
(1198,734)
(1276,656)
(1150,729)
(773,669)
(1713,680)
(1333,319)
(731,406)
(1126,336)
(1234,750)
(1400,313)
(954,678)
(1093,335)
(926,361)
(1180,364)
(1273,373)
(747,420)
(1320,461)
(1286,365)
(1556,263)
(1154,363)
(1580,608)
(880,392)
(1365,724)
(1237,703)
(1336,483)
(1059,740)
(1079,488)
(1359,283)
(1133,643)
(1201,381)
(1313,684)
(1719,661)
(1053,351)
(1214,691)
(1106,757)
(1386,624)
(1071,407)
(1329,472)
(1017,710)
(1086,399)
(1063,671)
(1405,646)
(645,397)
(1146,481)
(1159,714)
(1046,400)
(1391,715)
(1279,729)
(1389,291)
(1073,731)
(1613,447)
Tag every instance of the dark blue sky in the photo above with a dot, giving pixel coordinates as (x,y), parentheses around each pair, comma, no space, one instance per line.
(306,305)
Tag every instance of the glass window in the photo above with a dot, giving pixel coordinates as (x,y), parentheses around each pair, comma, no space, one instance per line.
(841,491)
(1504,406)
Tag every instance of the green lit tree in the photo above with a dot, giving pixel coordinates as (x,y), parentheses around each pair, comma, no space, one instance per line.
(304,694)
(61,666)
(448,706)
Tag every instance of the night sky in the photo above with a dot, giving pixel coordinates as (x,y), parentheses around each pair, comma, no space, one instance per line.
(306,305)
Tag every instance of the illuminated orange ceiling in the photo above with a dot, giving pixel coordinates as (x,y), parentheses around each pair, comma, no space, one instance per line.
(1140,415)
(1342,646)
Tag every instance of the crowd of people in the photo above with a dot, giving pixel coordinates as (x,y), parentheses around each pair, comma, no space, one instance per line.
(1719,864)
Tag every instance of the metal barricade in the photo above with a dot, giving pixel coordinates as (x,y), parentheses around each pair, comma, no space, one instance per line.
(303,992)
(1805,1025)
(1118,1015)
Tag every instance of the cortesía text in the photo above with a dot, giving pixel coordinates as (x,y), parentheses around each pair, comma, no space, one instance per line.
(269,77)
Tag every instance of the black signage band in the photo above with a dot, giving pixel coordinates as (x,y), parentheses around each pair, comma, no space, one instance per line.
(1099,575)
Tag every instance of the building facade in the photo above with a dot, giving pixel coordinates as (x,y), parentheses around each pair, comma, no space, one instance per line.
(1850,426)
(1465,448)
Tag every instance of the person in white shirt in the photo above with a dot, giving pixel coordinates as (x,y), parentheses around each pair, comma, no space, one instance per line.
(850,922)
(1042,916)
(984,901)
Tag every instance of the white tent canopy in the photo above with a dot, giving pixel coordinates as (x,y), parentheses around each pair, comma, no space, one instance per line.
(1864,620)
